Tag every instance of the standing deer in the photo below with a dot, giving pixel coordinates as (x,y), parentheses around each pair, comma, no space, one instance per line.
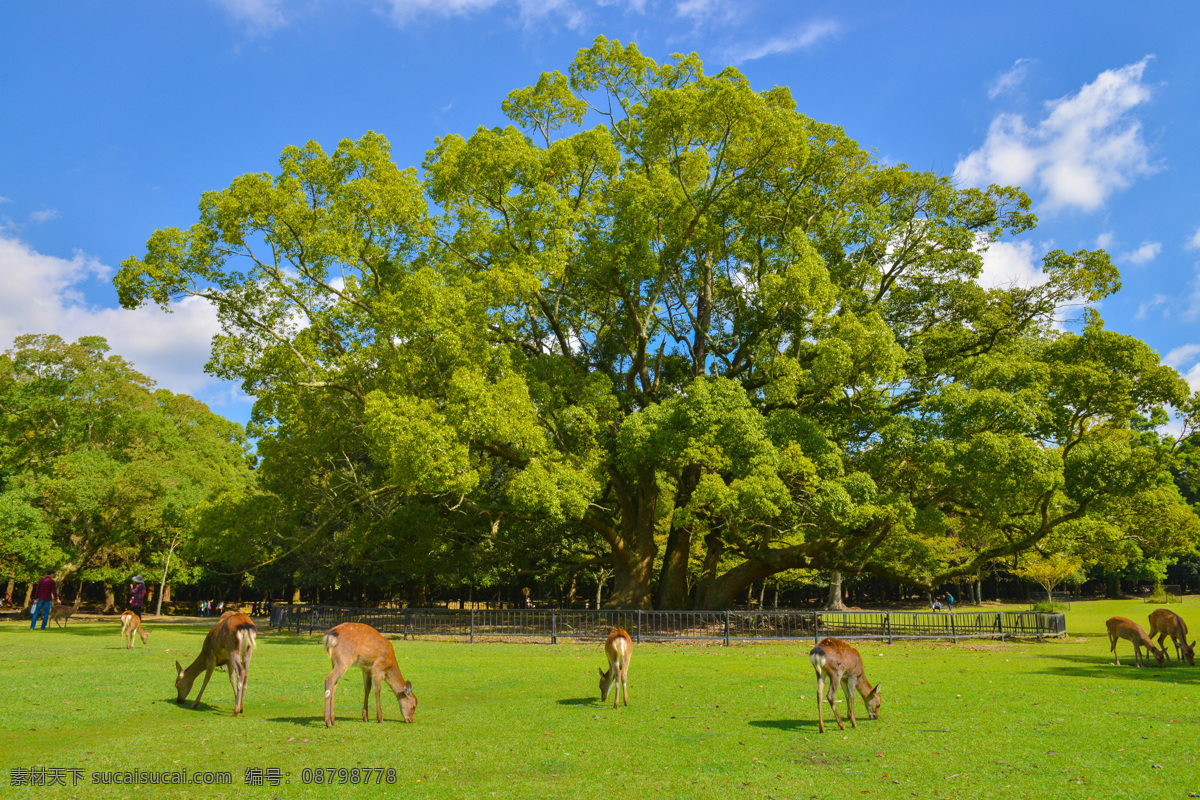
(131,624)
(355,644)
(1122,628)
(618,647)
(62,611)
(843,665)
(1164,623)
(231,641)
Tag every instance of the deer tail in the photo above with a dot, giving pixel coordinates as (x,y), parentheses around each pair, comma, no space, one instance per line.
(331,641)
(247,638)
(817,657)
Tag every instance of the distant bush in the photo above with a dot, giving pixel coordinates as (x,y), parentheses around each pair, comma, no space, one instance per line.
(1049,607)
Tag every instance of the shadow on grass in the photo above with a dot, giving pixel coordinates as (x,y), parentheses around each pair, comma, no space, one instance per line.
(580,701)
(1102,667)
(311,722)
(787,724)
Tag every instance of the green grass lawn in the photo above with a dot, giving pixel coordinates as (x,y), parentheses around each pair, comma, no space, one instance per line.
(973,720)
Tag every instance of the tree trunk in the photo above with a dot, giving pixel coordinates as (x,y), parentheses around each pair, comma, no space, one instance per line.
(762,592)
(110,598)
(8,592)
(672,583)
(634,548)
(28,594)
(834,602)
(1112,586)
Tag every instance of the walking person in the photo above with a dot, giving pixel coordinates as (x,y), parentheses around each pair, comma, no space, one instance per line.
(137,595)
(949,602)
(44,594)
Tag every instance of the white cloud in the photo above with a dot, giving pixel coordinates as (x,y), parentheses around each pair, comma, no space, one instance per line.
(44,215)
(40,294)
(1144,254)
(1105,240)
(1180,358)
(1182,355)
(1088,146)
(707,11)
(1159,300)
(1194,242)
(573,13)
(1010,264)
(261,17)
(1011,79)
(804,37)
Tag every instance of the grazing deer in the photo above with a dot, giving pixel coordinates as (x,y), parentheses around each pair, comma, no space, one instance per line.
(1122,628)
(62,611)
(131,624)
(618,647)
(355,644)
(1164,623)
(231,641)
(843,665)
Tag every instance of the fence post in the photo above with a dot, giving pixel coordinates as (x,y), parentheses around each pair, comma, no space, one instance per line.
(407,615)
(472,625)
(727,629)
(1000,624)
(953,633)
(312,612)
(889,626)
(553,626)
(639,626)
(816,634)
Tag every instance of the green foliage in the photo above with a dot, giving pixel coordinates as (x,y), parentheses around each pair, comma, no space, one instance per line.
(707,338)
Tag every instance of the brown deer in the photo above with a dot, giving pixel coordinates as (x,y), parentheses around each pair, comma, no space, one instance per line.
(1122,628)
(231,641)
(355,644)
(131,624)
(843,665)
(1164,623)
(62,611)
(618,647)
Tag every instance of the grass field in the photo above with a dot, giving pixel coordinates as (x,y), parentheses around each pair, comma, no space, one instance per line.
(973,720)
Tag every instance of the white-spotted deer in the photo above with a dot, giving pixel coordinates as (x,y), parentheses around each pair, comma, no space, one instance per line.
(1164,623)
(355,644)
(63,612)
(1122,628)
(618,647)
(131,625)
(231,641)
(842,664)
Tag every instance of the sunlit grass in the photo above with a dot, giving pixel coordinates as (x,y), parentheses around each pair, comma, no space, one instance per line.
(980,719)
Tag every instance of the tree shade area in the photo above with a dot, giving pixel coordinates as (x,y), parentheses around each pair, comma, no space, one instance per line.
(662,327)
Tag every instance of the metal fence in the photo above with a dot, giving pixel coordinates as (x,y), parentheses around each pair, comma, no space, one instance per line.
(1063,598)
(725,626)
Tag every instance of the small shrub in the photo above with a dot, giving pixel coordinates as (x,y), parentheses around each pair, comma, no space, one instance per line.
(1049,607)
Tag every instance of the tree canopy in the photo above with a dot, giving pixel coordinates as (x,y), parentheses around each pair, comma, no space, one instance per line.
(669,322)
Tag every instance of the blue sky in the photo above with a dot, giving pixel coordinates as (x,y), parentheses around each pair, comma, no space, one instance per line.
(114,117)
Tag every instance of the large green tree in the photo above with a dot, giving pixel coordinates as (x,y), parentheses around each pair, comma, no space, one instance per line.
(673,311)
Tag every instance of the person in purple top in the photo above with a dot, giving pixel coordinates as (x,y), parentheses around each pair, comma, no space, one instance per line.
(137,595)
(44,595)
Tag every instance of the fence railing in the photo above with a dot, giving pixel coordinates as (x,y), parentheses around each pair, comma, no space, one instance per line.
(725,626)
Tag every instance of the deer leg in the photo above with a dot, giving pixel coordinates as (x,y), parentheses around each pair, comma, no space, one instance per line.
(835,680)
(207,675)
(245,680)
(625,684)
(330,690)
(1161,637)
(848,687)
(1113,640)
(366,695)
(378,698)
(235,674)
(820,706)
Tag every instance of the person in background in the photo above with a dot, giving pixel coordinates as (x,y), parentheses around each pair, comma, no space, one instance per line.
(137,595)
(44,595)
(949,602)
